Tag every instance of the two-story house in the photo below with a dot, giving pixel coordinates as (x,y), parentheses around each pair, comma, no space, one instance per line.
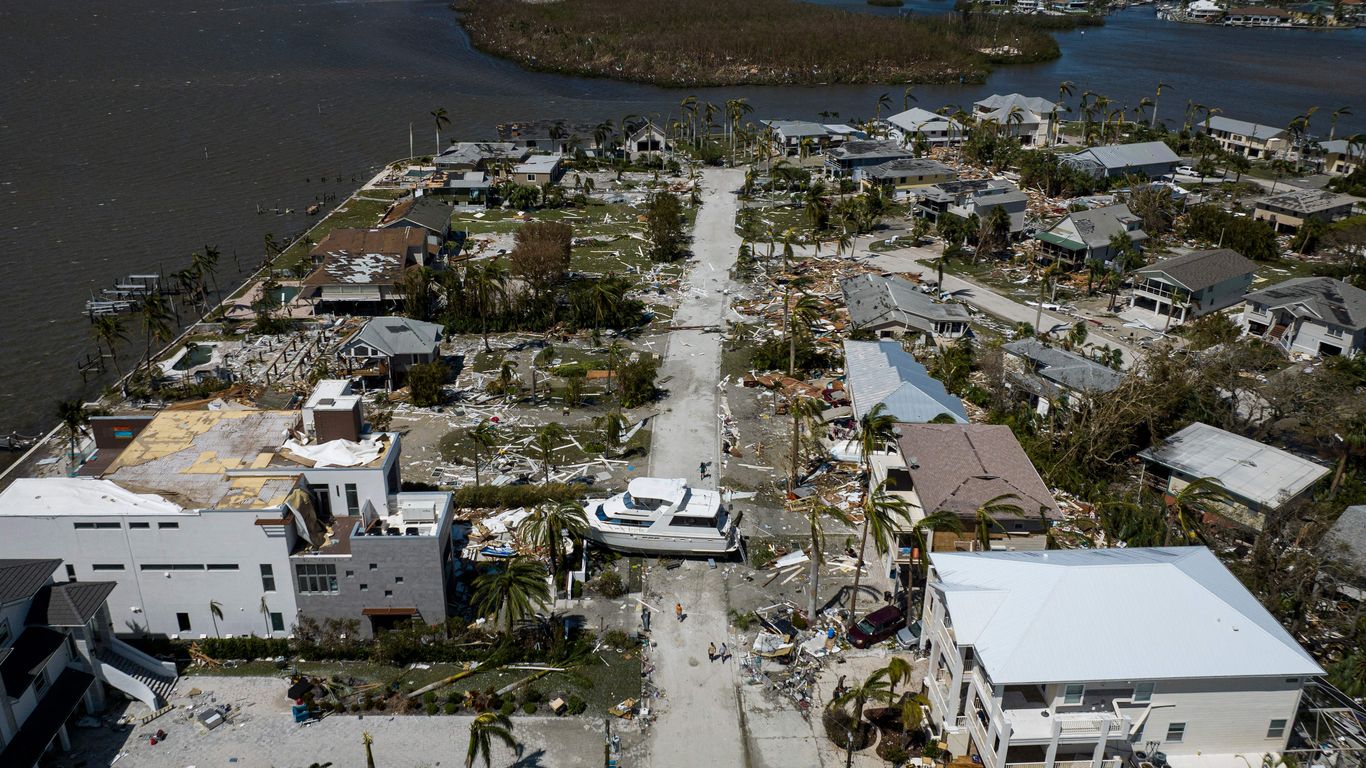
(891,307)
(1049,377)
(1083,236)
(1028,118)
(363,271)
(1251,140)
(803,138)
(852,158)
(972,197)
(1085,658)
(1341,157)
(916,124)
(57,653)
(1288,211)
(1185,287)
(384,349)
(1308,316)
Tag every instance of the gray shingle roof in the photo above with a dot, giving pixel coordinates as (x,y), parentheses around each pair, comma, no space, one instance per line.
(1066,369)
(1307,200)
(883,372)
(431,215)
(998,107)
(874,300)
(958,467)
(1127,155)
(1345,542)
(870,148)
(1097,225)
(1202,269)
(797,128)
(69,604)
(398,336)
(909,166)
(21,579)
(1321,298)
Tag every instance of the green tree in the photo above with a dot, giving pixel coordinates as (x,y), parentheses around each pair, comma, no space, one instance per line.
(108,330)
(74,417)
(486,728)
(487,283)
(613,426)
(882,516)
(986,514)
(511,591)
(922,532)
(546,439)
(637,379)
(875,688)
(425,382)
(156,326)
(442,120)
(483,437)
(1187,508)
(664,226)
(549,525)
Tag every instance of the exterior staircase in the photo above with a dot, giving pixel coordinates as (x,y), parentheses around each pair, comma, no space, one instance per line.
(151,684)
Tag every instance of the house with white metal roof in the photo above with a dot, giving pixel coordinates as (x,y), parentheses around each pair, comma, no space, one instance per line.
(1248,139)
(1030,119)
(935,129)
(1256,478)
(882,372)
(1148,158)
(1073,658)
(1308,316)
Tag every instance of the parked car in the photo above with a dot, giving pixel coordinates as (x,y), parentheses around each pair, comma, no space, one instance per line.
(876,627)
(1185,170)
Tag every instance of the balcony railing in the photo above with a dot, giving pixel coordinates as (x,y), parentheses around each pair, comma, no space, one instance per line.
(1109,762)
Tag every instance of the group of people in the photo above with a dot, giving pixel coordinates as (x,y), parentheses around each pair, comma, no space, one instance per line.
(714,653)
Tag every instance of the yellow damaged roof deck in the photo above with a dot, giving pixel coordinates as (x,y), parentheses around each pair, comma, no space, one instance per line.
(185,456)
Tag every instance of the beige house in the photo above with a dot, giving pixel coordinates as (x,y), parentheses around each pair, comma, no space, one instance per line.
(1288,211)
(1251,140)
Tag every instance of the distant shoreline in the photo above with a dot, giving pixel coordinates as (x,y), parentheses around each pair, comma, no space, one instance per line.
(699,43)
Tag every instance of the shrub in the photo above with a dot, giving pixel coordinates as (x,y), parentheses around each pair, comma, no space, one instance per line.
(454,697)
(430,708)
(609,584)
(508,707)
(425,382)
(533,696)
(529,708)
(569,370)
(451,708)
(637,381)
(244,647)
(575,705)
(495,497)
(616,638)
(577,591)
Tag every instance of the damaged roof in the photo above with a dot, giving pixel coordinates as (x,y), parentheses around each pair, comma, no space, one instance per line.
(959,467)
(1260,473)
(367,256)
(883,372)
(425,212)
(398,336)
(1066,369)
(875,300)
(1320,298)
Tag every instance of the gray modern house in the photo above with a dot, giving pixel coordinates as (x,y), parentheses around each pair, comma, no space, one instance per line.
(852,158)
(1082,236)
(891,306)
(384,349)
(1186,287)
(972,197)
(1309,316)
(1149,158)
(1288,211)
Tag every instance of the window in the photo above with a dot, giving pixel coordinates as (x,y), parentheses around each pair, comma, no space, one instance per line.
(1072,693)
(398,579)
(1143,693)
(277,622)
(1334,332)
(1277,729)
(183,620)
(267,577)
(365,587)
(374,566)
(70,572)
(222,566)
(139,525)
(168,525)
(388,593)
(171,567)
(531,177)
(40,682)
(350,574)
(1176,732)
(107,567)
(90,526)
(316,578)
(4,632)
(352,500)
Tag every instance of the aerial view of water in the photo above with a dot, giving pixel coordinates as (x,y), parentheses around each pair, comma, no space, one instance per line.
(133,134)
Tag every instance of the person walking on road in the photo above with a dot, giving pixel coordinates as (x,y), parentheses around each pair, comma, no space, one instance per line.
(702,471)
(678,611)
(723,653)
(711,652)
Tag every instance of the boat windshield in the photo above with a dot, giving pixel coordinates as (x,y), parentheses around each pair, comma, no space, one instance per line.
(635,502)
(604,518)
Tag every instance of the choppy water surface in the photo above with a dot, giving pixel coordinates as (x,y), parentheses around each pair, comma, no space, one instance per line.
(132,134)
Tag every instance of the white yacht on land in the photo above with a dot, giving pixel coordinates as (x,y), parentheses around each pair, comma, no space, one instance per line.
(663,516)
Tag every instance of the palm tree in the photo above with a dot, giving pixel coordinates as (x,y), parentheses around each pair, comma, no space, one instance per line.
(368,740)
(548,526)
(546,438)
(613,426)
(805,311)
(156,325)
(74,417)
(1015,118)
(921,532)
(1064,90)
(511,590)
(1333,125)
(507,376)
(1186,510)
(485,728)
(986,517)
(805,411)
(484,437)
(882,101)
(882,515)
(898,671)
(875,688)
(1045,279)
(442,120)
(817,515)
(488,284)
(907,97)
(1157,98)
(215,613)
(109,329)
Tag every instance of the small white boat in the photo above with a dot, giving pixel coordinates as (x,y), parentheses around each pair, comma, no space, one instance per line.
(663,516)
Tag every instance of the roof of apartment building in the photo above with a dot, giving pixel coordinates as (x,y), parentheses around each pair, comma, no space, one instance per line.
(959,467)
(69,604)
(883,372)
(1324,298)
(1075,615)
(1255,131)
(997,107)
(425,212)
(1201,269)
(1255,471)
(1307,201)
(1127,155)
(21,579)
(873,300)
(366,256)
(1066,369)
(398,336)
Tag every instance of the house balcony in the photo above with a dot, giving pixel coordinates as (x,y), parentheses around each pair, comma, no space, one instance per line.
(1109,762)
(1162,291)
(1038,725)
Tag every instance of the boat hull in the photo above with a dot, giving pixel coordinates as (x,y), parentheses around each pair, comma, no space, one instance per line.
(663,544)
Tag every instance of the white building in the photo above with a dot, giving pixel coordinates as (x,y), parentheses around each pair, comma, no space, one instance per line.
(1028,118)
(1308,316)
(1076,658)
(185,509)
(937,130)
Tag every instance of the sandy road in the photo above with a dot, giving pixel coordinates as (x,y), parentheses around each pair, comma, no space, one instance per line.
(699,720)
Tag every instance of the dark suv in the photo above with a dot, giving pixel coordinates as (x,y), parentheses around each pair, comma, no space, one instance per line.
(876,627)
